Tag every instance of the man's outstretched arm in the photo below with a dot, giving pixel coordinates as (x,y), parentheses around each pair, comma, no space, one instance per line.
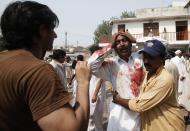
(68,118)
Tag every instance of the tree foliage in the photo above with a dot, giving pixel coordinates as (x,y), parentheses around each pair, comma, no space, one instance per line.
(103,31)
(127,14)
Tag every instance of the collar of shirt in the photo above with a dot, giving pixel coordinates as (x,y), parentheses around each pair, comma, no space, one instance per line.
(58,63)
(119,60)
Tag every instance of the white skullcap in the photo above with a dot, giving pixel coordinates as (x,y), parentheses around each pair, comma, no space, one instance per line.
(177,52)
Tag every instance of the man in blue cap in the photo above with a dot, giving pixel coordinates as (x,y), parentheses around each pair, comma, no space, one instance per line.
(157,100)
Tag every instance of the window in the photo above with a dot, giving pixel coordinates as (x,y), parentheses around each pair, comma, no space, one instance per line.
(181,30)
(121,28)
(151,29)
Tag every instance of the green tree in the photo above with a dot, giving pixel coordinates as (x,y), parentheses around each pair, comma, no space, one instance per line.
(103,32)
(127,14)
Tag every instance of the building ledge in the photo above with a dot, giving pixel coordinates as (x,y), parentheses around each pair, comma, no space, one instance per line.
(127,20)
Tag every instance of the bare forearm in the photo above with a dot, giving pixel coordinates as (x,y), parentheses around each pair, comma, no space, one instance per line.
(121,101)
(83,76)
(82,103)
(124,102)
(67,118)
(98,86)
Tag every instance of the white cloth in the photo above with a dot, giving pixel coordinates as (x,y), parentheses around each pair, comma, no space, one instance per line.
(180,63)
(74,90)
(185,97)
(60,69)
(173,70)
(68,70)
(118,73)
(96,109)
(177,52)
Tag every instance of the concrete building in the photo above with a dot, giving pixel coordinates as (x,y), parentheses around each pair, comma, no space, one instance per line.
(171,23)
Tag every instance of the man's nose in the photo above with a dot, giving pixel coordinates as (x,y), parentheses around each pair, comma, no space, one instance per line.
(55,34)
(121,43)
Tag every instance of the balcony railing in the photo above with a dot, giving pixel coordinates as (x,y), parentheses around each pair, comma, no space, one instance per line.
(169,36)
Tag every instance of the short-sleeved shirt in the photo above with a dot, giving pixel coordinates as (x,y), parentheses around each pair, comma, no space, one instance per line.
(29,90)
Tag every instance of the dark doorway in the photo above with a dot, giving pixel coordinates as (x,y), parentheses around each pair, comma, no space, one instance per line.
(121,28)
(151,29)
(181,30)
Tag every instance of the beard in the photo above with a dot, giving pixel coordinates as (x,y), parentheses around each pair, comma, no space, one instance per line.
(150,69)
(125,49)
(124,52)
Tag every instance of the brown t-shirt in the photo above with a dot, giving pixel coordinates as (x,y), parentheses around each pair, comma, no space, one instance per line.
(29,90)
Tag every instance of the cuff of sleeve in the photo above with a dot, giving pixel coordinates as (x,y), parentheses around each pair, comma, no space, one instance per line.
(132,105)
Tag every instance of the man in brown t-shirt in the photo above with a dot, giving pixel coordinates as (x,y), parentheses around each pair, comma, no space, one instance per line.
(31,95)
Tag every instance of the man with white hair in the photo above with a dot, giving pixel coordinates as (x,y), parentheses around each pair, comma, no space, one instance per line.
(178,61)
(178,52)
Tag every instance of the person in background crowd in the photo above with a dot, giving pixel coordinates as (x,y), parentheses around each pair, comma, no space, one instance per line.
(68,59)
(187,92)
(157,100)
(73,81)
(58,59)
(97,96)
(48,59)
(32,97)
(183,83)
(125,72)
(68,69)
(178,61)
(79,58)
(172,68)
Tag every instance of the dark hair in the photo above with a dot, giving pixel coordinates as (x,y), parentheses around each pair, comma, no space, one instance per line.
(74,64)
(94,48)
(2,44)
(80,58)
(58,53)
(21,21)
(68,58)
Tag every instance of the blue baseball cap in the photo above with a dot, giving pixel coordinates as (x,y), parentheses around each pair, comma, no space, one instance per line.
(154,48)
